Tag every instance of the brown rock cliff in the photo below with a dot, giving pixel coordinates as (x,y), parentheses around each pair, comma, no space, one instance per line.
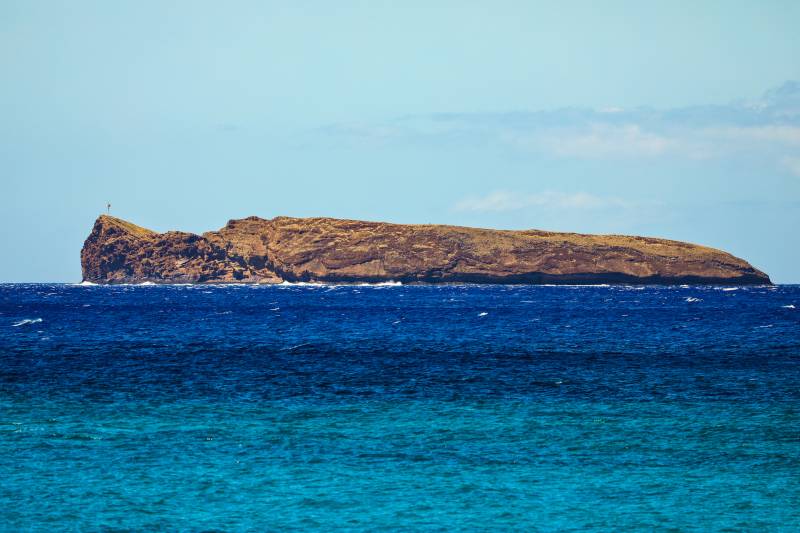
(254,250)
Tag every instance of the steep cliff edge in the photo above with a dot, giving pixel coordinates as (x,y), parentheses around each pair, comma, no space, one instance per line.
(255,250)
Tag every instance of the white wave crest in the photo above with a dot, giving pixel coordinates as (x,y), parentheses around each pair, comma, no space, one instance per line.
(333,284)
(300,284)
(26,322)
(570,285)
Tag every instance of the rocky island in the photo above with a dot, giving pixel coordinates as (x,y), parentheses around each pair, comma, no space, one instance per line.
(256,250)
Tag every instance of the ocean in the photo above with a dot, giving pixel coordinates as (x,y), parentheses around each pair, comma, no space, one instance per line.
(302,407)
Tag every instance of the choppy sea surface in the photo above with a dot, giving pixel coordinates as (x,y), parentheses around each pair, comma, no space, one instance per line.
(399,407)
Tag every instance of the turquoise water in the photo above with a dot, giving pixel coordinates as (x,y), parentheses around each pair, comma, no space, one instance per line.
(536,408)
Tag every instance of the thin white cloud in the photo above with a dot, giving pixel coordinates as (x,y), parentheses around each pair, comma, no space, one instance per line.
(771,134)
(767,128)
(600,141)
(501,201)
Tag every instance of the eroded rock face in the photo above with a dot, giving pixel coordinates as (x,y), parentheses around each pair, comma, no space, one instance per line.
(254,250)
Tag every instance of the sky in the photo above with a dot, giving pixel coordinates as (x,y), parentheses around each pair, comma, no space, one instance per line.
(671,119)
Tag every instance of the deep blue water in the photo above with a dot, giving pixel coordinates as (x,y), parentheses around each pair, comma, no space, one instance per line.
(419,407)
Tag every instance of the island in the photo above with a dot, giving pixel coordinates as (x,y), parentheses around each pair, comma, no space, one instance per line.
(329,250)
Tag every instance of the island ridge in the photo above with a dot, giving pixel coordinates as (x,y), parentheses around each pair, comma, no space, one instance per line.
(256,250)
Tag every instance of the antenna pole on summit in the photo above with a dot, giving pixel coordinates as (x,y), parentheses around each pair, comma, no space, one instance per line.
(108,208)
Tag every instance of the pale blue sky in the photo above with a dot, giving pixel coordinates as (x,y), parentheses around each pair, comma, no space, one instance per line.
(672,119)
